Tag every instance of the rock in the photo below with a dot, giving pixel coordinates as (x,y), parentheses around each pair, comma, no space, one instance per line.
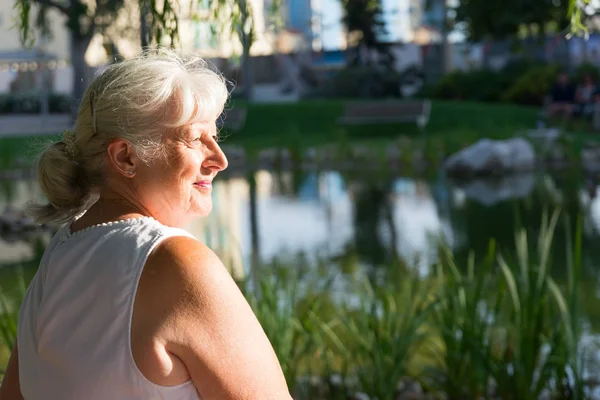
(491,191)
(393,153)
(550,145)
(409,390)
(492,157)
(545,137)
(311,156)
(362,153)
(15,221)
(590,157)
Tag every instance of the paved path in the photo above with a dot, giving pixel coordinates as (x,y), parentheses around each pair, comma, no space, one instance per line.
(35,124)
(271,93)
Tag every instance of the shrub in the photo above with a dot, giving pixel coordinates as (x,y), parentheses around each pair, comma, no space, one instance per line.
(532,86)
(487,85)
(481,85)
(586,69)
(363,82)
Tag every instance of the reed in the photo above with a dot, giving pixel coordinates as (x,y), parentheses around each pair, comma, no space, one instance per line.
(540,349)
(383,332)
(499,327)
(463,317)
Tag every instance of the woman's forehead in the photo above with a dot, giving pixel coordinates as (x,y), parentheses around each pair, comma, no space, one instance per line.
(202,125)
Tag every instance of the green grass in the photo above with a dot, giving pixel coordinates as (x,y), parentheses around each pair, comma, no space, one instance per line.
(298,126)
(313,123)
(22,150)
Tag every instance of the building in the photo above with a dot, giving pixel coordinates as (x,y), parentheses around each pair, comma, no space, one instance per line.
(21,68)
(197,32)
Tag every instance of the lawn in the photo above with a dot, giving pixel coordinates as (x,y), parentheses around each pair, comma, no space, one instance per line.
(313,123)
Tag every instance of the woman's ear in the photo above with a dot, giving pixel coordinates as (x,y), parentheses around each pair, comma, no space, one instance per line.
(122,157)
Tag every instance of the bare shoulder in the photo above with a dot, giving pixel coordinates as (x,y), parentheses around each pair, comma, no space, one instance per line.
(181,259)
(205,321)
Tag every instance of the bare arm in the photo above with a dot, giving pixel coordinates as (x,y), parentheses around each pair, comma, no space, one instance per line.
(10,388)
(209,326)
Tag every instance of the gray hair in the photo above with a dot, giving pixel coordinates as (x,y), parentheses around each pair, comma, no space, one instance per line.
(137,100)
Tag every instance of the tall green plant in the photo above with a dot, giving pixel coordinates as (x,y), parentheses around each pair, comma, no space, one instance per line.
(289,316)
(383,333)
(540,342)
(9,312)
(464,316)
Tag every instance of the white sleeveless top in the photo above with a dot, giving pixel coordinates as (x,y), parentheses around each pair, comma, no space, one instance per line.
(75,321)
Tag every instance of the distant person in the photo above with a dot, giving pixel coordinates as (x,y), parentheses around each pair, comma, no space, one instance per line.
(125,304)
(586,99)
(562,97)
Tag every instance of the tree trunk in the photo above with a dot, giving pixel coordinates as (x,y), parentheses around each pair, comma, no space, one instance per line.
(144,32)
(254,232)
(247,70)
(444,34)
(246,38)
(79,45)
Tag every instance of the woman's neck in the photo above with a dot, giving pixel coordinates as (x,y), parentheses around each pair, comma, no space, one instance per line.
(108,209)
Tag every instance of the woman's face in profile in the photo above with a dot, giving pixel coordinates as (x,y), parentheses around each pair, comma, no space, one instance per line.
(179,187)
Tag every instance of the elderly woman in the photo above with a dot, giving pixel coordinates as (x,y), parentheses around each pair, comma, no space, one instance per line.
(126,304)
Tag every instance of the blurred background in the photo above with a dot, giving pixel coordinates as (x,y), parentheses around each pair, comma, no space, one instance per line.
(411,206)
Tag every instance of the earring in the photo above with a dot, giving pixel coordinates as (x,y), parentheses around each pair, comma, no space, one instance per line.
(131,172)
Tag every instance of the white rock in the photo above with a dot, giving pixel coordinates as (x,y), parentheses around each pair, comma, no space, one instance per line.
(493,157)
(491,191)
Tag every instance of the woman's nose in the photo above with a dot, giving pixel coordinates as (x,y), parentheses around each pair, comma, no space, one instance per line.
(215,159)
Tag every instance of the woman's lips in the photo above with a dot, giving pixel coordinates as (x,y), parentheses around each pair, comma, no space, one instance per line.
(204,184)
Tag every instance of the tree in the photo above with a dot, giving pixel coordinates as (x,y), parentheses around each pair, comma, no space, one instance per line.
(86,18)
(159,25)
(583,16)
(364,22)
(237,17)
(501,19)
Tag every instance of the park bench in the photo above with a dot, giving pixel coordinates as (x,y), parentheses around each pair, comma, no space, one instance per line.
(233,119)
(388,112)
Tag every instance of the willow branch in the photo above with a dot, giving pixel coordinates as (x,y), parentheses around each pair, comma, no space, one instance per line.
(49,3)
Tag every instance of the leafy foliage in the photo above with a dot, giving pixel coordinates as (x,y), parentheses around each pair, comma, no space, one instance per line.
(162,23)
(531,87)
(362,82)
(502,19)
(526,84)
(364,20)
(83,18)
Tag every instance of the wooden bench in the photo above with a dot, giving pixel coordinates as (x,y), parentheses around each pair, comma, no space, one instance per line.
(388,112)
(233,119)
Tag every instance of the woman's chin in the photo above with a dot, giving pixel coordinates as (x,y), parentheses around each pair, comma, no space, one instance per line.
(202,210)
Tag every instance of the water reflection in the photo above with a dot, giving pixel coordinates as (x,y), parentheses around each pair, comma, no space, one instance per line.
(18,248)
(378,219)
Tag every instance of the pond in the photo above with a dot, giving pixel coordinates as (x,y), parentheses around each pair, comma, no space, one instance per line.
(370,218)
(329,214)
(325,214)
